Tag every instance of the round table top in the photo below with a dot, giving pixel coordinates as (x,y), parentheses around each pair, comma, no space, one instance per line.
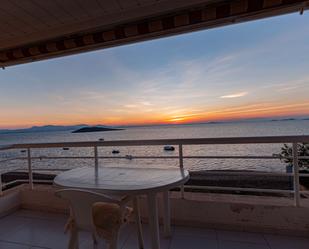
(122,180)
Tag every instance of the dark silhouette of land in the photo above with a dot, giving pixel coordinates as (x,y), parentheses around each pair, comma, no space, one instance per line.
(95,129)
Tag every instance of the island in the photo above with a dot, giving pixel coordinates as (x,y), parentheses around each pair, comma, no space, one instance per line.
(95,129)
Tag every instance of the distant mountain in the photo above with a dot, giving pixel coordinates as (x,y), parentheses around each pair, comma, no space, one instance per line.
(285,119)
(45,128)
(51,128)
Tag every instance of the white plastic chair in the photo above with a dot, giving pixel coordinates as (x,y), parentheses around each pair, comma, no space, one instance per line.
(81,202)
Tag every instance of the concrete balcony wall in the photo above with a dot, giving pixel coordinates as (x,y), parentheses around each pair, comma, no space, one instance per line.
(243,213)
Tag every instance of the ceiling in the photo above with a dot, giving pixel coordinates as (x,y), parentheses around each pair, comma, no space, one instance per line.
(34,29)
(28,21)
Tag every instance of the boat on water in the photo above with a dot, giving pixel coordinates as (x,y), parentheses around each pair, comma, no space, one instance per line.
(169,148)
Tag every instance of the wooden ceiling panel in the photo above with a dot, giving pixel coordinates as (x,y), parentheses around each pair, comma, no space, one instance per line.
(55,10)
(145,2)
(40,29)
(110,6)
(74,8)
(20,17)
(92,7)
(128,4)
(38,15)
(34,20)
(5,33)
(19,22)
(6,29)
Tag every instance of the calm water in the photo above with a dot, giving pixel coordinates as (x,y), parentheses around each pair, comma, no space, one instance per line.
(300,127)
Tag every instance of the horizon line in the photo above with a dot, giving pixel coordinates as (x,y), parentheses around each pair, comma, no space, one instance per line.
(285,118)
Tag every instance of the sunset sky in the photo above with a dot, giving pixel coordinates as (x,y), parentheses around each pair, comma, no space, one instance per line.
(251,70)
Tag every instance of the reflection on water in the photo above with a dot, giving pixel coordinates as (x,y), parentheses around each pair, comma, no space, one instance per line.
(274,128)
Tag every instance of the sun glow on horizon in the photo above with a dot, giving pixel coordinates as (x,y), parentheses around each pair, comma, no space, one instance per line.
(246,71)
(255,111)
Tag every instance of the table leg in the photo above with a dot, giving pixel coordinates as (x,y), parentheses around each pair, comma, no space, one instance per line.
(153,220)
(167,214)
(138,223)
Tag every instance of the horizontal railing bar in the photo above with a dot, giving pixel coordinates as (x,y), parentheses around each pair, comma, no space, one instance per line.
(185,141)
(255,173)
(240,189)
(289,157)
(209,172)
(235,157)
(9,159)
(8,183)
(5,147)
(40,180)
(154,157)
(55,157)
(14,181)
(246,173)
(42,169)
(100,157)
(188,186)
(303,175)
(50,169)
(24,180)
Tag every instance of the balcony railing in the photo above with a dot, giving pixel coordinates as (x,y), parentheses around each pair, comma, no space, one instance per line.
(293,140)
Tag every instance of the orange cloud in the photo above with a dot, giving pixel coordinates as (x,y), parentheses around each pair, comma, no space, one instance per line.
(157,115)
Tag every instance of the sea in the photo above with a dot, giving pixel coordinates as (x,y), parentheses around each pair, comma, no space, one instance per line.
(208,130)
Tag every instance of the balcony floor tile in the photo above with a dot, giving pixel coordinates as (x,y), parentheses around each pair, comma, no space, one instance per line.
(255,238)
(286,242)
(8,245)
(193,241)
(37,230)
(240,245)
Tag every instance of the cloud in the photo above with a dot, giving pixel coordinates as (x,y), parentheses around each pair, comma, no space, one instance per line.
(186,115)
(146,103)
(261,108)
(139,104)
(130,106)
(234,95)
(288,88)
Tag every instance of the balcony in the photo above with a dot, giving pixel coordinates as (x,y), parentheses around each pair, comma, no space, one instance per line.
(32,229)
(203,216)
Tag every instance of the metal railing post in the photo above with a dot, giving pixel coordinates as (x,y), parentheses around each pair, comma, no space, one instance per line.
(30,168)
(182,189)
(1,186)
(96,160)
(296,175)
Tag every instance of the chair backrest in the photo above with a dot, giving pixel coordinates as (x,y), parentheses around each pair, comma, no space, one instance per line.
(81,202)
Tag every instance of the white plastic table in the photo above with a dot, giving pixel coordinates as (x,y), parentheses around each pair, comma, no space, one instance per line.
(130,181)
